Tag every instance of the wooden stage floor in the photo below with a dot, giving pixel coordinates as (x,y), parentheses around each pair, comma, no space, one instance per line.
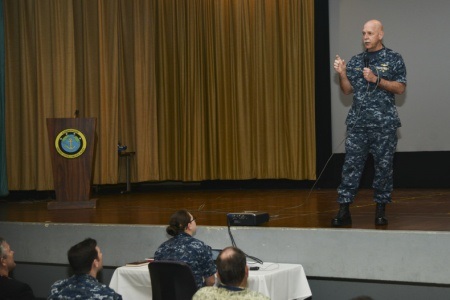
(412,209)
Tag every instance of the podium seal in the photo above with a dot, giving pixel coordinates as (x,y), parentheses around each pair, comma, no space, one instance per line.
(70,143)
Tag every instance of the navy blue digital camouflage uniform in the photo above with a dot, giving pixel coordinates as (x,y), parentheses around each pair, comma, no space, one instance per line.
(372,124)
(192,251)
(82,286)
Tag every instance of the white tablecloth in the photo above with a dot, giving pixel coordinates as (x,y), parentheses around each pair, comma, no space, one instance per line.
(278,281)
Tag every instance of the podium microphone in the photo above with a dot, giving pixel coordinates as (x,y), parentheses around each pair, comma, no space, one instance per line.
(75,115)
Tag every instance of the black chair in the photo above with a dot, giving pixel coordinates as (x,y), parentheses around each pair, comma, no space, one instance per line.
(172,280)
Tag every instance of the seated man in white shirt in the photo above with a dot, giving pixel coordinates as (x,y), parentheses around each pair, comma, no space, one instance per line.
(232,272)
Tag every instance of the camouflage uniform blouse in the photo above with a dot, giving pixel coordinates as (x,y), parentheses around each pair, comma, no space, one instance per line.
(192,251)
(217,293)
(374,107)
(82,287)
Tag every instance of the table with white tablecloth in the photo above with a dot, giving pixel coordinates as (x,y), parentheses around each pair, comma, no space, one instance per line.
(278,281)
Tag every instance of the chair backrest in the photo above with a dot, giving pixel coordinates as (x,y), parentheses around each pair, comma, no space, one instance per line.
(171,280)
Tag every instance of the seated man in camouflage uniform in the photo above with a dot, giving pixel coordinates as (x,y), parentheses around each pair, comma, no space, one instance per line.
(86,260)
(232,271)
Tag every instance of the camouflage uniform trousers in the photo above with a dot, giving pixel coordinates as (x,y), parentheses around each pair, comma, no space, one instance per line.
(359,143)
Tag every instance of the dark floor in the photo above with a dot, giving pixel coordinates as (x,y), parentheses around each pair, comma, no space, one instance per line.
(412,209)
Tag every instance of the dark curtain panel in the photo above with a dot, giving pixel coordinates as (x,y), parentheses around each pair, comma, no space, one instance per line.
(3,177)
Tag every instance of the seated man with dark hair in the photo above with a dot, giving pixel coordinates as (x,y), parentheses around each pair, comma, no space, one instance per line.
(9,287)
(232,272)
(86,260)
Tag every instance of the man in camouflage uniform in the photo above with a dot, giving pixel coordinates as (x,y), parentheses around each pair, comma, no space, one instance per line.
(86,260)
(232,272)
(374,77)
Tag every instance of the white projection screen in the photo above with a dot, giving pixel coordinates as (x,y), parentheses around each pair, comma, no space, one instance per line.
(420,31)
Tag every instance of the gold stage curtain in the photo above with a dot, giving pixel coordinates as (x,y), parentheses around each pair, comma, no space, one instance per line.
(200,89)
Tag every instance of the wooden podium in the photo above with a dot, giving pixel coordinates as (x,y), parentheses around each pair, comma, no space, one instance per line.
(72,150)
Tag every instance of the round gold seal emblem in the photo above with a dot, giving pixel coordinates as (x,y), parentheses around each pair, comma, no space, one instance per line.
(70,143)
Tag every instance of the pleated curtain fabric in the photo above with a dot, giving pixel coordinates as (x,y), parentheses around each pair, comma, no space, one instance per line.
(200,89)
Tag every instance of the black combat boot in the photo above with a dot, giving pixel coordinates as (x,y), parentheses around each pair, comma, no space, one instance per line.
(343,217)
(380,218)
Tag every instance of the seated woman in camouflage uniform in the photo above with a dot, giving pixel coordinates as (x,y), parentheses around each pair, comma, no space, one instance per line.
(184,247)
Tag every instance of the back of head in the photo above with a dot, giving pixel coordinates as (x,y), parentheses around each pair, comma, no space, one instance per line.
(82,255)
(231,266)
(178,222)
